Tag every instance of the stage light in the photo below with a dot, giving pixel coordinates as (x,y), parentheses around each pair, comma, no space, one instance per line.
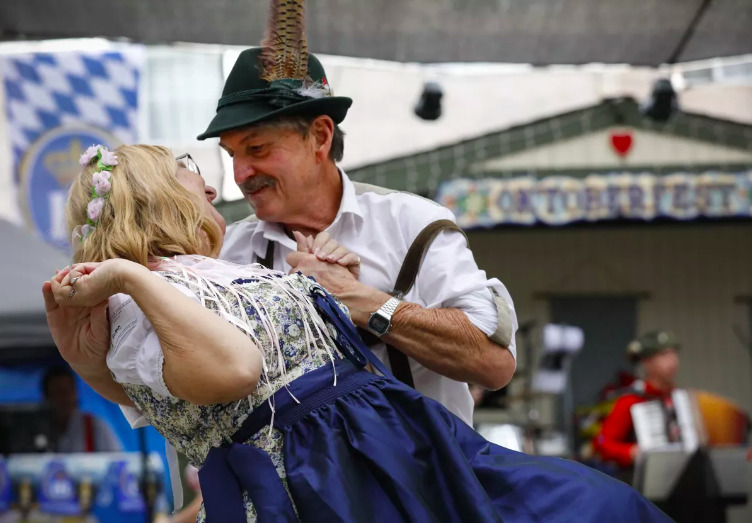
(429,105)
(662,103)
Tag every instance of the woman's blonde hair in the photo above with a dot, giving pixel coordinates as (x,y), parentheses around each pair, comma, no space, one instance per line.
(147,212)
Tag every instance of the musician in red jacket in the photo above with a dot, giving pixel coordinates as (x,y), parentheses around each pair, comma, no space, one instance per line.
(657,354)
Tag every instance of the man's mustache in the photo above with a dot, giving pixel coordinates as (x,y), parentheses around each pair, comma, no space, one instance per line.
(257,182)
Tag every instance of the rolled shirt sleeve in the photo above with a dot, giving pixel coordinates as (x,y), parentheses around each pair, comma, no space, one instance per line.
(449,277)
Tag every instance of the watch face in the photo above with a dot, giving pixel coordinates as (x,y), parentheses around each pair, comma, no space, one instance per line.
(378,324)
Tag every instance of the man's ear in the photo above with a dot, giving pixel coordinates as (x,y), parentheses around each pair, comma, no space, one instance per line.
(322,132)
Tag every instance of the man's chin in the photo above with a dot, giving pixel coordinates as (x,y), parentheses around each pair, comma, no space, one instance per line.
(266,208)
(261,211)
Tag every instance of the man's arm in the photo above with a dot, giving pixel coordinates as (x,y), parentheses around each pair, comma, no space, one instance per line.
(612,443)
(443,340)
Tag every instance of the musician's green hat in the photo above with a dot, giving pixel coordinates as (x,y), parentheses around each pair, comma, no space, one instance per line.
(652,343)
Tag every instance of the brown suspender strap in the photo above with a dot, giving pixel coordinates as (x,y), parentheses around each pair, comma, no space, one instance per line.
(416,253)
(400,364)
(268,260)
(398,360)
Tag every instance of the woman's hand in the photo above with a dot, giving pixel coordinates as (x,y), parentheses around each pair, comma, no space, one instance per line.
(90,284)
(325,248)
(81,334)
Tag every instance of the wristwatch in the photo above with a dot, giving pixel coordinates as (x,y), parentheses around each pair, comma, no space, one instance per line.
(381,321)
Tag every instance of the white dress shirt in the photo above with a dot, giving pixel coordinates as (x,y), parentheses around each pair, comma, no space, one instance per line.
(380,227)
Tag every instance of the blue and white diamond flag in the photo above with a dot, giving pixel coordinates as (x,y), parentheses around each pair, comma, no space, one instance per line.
(57,104)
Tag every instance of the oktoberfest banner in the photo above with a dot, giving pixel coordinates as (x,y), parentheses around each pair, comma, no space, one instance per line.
(558,200)
(57,104)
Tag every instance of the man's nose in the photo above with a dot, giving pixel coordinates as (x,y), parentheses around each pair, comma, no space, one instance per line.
(242,170)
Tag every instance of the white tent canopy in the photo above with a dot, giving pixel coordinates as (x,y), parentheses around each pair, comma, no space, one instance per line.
(639,32)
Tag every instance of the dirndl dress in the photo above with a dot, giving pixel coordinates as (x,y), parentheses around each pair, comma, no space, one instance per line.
(371,449)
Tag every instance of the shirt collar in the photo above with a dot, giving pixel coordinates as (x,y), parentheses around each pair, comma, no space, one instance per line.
(349,203)
(268,231)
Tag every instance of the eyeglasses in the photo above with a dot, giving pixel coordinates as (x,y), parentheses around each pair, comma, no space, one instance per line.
(189,163)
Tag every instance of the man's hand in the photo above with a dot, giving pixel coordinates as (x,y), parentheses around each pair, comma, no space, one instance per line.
(360,299)
(81,334)
(326,249)
(335,278)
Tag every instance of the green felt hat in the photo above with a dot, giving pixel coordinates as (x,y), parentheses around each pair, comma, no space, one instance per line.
(248,98)
(652,343)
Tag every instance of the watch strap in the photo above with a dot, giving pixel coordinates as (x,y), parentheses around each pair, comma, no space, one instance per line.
(389,307)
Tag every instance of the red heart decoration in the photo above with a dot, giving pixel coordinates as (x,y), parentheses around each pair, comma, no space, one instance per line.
(622,143)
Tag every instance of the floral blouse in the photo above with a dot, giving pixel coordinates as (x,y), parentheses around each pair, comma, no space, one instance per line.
(136,358)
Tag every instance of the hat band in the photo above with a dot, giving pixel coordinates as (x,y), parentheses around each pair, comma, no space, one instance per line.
(280,93)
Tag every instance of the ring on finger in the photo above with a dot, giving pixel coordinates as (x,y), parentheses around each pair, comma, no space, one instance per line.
(74,280)
(71,293)
(358,261)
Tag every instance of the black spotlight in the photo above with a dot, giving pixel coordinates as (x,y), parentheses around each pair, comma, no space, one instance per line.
(429,105)
(662,103)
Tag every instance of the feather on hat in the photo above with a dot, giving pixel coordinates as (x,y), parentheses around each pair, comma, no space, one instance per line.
(278,79)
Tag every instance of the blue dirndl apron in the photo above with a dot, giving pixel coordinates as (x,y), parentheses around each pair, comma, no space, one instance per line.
(371,449)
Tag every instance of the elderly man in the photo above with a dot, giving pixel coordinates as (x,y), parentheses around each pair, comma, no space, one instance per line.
(454,324)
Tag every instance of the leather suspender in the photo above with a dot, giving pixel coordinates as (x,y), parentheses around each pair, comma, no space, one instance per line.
(398,361)
(268,260)
(416,253)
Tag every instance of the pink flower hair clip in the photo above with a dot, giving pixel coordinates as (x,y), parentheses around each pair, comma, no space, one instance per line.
(100,188)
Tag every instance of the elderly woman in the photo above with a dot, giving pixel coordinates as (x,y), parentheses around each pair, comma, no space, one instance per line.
(260,379)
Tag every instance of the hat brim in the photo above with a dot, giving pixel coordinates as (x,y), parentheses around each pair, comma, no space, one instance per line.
(652,352)
(237,116)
